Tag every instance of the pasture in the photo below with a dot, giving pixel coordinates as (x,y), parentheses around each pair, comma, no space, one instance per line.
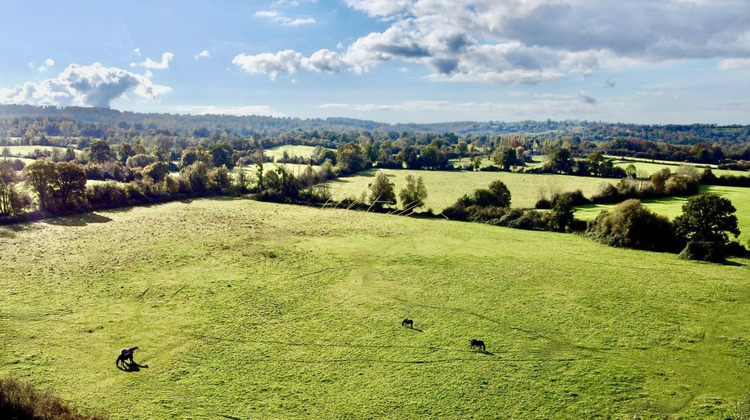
(649,167)
(23,151)
(291,150)
(445,187)
(244,309)
(672,207)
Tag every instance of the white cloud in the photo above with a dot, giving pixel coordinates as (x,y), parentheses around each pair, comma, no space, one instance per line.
(202,54)
(237,110)
(284,20)
(288,61)
(49,62)
(166,59)
(540,41)
(93,85)
(137,52)
(734,64)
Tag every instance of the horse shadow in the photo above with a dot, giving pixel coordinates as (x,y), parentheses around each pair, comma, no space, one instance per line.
(131,367)
(415,329)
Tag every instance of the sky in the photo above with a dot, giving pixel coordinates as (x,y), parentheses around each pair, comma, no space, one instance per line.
(395,61)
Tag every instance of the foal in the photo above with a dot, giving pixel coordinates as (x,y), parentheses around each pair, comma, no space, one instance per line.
(125,354)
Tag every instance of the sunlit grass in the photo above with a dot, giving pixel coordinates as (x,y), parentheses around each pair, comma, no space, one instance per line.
(245,309)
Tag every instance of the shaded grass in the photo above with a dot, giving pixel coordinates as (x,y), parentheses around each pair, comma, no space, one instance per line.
(250,310)
(22,401)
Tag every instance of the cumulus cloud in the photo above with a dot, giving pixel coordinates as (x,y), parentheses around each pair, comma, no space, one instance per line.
(202,54)
(288,61)
(93,85)
(166,59)
(539,41)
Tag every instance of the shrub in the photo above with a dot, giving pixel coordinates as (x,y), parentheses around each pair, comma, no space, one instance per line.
(23,401)
(631,225)
(703,251)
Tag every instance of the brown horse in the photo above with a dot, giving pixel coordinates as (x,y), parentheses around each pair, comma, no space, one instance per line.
(408,322)
(125,354)
(478,344)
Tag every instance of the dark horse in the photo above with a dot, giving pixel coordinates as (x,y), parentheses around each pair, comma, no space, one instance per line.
(125,354)
(478,344)
(408,322)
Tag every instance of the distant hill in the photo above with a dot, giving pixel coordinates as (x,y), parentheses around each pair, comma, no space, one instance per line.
(248,125)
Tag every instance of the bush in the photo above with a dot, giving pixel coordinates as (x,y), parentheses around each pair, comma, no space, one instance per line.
(23,401)
(703,251)
(456,212)
(630,225)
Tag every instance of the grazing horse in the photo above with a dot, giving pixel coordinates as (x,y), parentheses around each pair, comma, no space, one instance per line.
(125,354)
(407,321)
(479,344)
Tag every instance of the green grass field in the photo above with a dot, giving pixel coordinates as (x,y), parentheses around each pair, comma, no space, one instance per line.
(647,166)
(245,309)
(292,150)
(445,187)
(23,151)
(672,207)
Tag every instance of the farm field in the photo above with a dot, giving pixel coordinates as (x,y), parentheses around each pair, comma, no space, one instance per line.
(650,167)
(291,150)
(245,309)
(672,207)
(445,187)
(22,151)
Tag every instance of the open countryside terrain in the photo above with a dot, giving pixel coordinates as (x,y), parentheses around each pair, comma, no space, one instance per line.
(649,166)
(292,151)
(445,187)
(245,309)
(672,207)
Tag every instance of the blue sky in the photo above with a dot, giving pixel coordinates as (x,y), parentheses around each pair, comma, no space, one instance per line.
(640,61)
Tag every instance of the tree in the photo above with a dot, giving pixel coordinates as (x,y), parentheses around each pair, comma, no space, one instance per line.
(221,155)
(560,161)
(562,213)
(43,179)
(72,185)
(381,191)
(414,194)
(501,193)
(259,158)
(100,151)
(67,128)
(156,171)
(11,201)
(506,158)
(707,218)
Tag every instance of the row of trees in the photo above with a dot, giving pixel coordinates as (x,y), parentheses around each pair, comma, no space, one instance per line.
(701,231)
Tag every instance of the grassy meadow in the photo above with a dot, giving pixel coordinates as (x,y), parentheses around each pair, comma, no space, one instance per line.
(672,207)
(649,167)
(291,150)
(445,187)
(23,151)
(245,309)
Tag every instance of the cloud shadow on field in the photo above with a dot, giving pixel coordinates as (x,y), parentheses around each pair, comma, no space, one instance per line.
(78,220)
